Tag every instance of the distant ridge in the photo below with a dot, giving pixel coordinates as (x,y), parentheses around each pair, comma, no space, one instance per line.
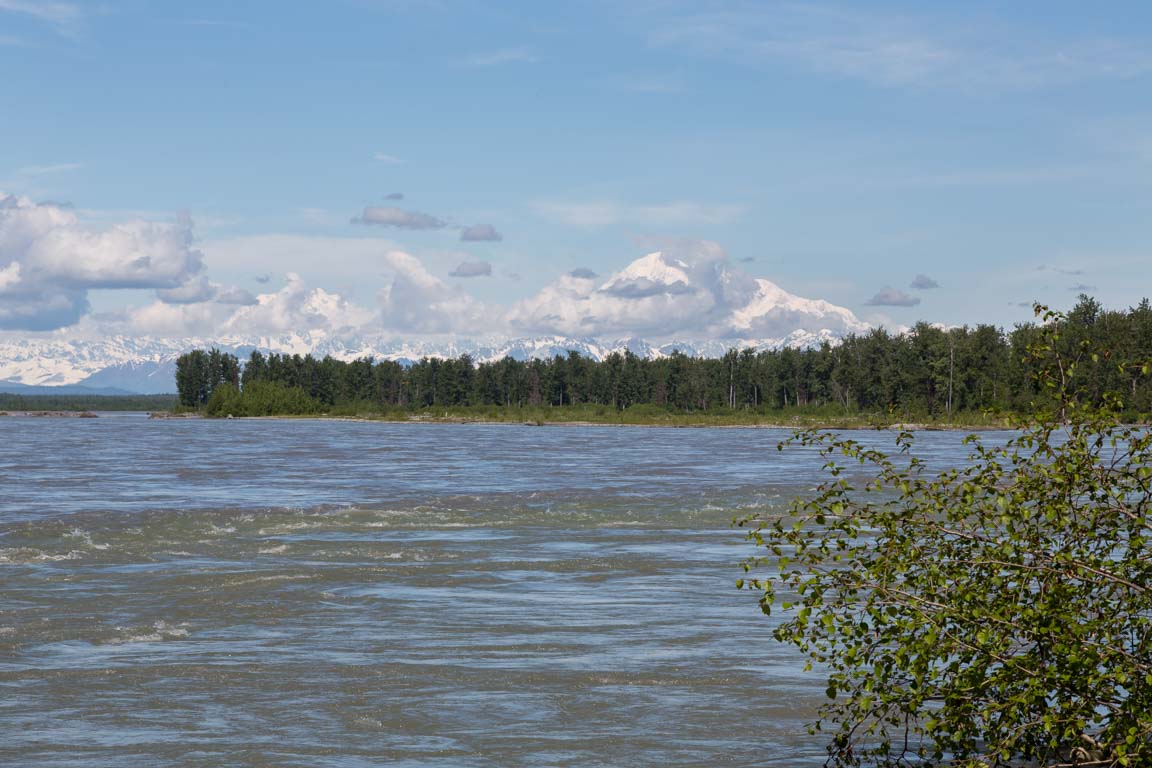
(139,365)
(698,297)
(15,388)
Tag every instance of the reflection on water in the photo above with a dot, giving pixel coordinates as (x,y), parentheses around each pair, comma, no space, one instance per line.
(287,593)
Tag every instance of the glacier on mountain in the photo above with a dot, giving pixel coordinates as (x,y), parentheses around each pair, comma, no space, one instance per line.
(148,365)
(693,302)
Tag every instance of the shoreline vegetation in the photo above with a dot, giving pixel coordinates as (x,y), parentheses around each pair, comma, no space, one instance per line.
(599,416)
(70,405)
(932,377)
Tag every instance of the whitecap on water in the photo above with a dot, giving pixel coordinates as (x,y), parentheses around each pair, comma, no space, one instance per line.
(27,555)
(86,537)
(159,632)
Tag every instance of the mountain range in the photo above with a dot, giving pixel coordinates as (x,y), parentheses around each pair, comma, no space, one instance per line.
(709,307)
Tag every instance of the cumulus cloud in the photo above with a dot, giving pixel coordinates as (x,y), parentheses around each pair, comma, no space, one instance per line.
(387,216)
(472,269)
(9,277)
(480,233)
(416,301)
(655,295)
(201,289)
(167,320)
(644,287)
(234,295)
(296,307)
(689,289)
(394,196)
(892,297)
(50,260)
(211,310)
(190,292)
(923,283)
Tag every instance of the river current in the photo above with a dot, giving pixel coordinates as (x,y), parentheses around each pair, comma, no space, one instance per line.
(350,594)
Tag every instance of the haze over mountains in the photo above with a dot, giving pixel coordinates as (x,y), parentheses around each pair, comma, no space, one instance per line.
(693,301)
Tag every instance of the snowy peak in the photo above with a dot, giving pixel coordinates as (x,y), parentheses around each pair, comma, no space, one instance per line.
(736,304)
(147,366)
(691,300)
(651,275)
(772,305)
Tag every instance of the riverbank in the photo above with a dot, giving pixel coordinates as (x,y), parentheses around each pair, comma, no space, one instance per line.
(50,414)
(573,416)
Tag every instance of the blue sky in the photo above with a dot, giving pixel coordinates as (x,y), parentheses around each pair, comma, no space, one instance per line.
(1002,149)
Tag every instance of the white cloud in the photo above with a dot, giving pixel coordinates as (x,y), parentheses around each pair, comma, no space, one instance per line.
(60,14)
(891,50)
(9,277)
(416,301)
(44,170)
(231,294)
(191,292)
(51,259)
(204,309)
(200,289)
(165,320)
(688,289)
(296,307)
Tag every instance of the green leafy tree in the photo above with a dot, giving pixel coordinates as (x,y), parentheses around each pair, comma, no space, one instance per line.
(199,373)
(996,614)
(192,378)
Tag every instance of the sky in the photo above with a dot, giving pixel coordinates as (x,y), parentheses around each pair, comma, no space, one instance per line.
(435,166)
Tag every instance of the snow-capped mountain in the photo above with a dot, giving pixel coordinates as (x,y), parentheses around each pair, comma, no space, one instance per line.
(147,365)
(694,294)
(659,303)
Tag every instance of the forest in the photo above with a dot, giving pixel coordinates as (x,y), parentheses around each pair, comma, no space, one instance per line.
(927,372)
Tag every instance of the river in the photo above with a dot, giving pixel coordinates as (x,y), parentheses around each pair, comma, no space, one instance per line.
(351,594)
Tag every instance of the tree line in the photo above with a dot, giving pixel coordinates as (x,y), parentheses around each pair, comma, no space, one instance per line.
(82,402)
(928,371)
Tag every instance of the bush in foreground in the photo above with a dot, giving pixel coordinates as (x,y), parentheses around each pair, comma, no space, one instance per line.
(992,614)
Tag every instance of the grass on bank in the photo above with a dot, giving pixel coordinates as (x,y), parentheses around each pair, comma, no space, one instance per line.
(270,399)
